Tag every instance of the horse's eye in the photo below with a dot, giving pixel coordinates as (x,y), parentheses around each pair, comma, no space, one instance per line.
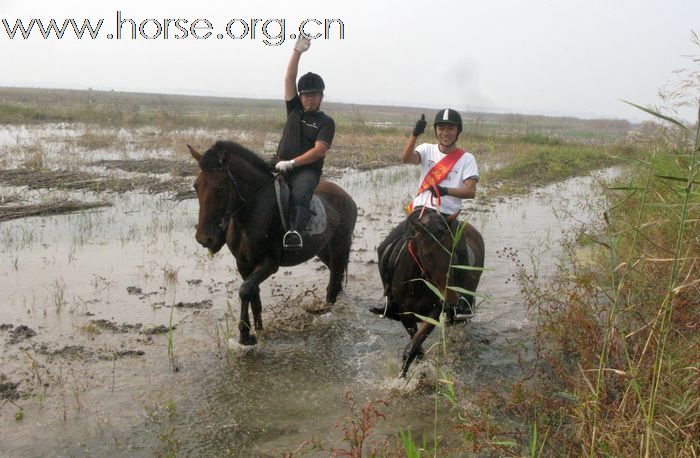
(221,193)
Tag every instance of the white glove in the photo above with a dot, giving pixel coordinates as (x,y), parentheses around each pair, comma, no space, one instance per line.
(302,44)
(285,166)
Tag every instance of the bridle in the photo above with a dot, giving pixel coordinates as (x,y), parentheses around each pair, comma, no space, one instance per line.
(230,211)
(409,242)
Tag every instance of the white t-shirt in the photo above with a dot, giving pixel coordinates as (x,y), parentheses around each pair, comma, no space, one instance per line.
(464,168)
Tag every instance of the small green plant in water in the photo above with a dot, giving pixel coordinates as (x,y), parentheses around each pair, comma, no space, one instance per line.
(171,345)
(409,446)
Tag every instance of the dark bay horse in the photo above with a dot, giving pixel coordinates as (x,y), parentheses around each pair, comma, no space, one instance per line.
(424,256)
(237,206)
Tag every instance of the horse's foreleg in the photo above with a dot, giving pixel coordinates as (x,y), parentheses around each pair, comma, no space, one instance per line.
(250,295)
(414,347)
(256,307)
(410,323)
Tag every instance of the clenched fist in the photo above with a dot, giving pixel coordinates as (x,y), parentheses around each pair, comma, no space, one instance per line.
(285,166)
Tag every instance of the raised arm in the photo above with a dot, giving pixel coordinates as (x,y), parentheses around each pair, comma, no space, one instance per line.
(290,77)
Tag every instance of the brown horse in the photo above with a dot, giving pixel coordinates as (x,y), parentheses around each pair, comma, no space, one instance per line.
(237,206)
(424,255)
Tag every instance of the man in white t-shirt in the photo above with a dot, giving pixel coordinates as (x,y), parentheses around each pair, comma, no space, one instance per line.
(459,183)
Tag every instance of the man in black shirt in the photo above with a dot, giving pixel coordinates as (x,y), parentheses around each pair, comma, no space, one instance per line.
(306,138)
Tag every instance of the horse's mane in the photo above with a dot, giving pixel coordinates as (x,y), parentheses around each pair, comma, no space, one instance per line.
(211,160)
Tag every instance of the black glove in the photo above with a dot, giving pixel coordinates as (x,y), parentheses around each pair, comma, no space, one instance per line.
(420,126)
(441,190)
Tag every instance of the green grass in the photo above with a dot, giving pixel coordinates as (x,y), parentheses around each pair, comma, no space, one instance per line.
(550,162)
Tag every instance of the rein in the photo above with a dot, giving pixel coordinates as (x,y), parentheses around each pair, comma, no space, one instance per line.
(415,258)
(230,212)
(411,251)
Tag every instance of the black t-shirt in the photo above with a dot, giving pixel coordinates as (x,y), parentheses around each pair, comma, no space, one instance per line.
(315,126)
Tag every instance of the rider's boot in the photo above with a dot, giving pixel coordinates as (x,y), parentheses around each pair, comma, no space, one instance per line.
(386,310)
(463,311)
(293,240)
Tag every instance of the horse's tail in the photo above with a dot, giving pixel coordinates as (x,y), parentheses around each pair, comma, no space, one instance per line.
(351,229)
(345,268)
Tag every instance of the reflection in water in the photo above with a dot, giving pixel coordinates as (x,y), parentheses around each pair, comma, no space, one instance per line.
(291,386)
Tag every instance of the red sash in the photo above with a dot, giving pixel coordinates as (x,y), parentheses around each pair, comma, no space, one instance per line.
(438,173)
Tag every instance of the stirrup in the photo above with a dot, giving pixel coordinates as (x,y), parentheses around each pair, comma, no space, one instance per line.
(292,240)
(462,310)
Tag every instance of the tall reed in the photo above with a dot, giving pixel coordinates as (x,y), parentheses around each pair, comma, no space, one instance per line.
(617,337)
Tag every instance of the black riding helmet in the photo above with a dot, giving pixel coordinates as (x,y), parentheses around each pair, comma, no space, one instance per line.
(448,116)
(310,82)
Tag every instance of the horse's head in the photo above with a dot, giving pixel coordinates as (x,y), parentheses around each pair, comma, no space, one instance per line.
(432,242)
(215,194)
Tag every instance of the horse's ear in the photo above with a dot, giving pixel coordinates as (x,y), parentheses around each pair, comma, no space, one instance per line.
(453,217)
(416,225)
(195,154)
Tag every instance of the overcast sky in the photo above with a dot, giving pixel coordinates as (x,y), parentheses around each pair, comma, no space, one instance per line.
(567,57)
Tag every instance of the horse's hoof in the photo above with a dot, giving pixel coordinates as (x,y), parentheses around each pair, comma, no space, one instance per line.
(248,340)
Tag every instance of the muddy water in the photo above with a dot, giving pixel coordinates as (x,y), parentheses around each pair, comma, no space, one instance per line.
(89,387)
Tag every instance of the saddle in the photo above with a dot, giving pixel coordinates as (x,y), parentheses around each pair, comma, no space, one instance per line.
(387,260)
(317,223)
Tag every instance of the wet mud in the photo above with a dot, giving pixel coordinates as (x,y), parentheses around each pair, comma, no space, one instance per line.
(176,168)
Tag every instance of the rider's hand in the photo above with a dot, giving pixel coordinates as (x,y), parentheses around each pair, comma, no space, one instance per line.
(302,44)
(420,126)
(285,166)
(438,190)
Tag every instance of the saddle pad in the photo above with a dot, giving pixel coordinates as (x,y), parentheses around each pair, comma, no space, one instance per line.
(317,222)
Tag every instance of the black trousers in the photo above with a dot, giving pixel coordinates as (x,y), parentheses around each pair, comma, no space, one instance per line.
(302,183)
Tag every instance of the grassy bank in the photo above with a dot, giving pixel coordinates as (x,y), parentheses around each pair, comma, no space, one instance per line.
(541,161)
(617,336)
